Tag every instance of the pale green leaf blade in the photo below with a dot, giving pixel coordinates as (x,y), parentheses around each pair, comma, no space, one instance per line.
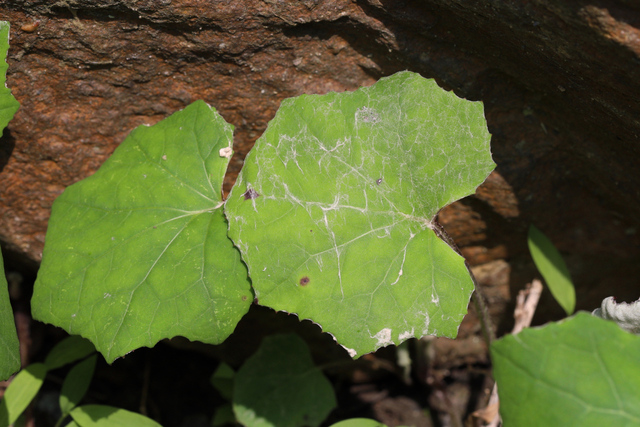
(279,386)
(553,268)
(138,252)
(68,351)
(8,104)
(9,345)
(76,384)
(359,422)
(334,206)
(108,416)
(581,372)
(21,392)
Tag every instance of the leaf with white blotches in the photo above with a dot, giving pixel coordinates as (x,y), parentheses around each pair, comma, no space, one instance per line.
(333,211)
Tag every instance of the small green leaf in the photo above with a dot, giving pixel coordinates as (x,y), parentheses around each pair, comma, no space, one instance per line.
(279,386)
(21,392)
(8,104)
(333,210)
(582,372)
(68,351)
(223,379)
(76,384)
(359,422)
(553,269)
(139,251)
(108,416)
(9,345)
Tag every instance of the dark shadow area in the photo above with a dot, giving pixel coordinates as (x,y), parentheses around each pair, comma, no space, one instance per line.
(7,145)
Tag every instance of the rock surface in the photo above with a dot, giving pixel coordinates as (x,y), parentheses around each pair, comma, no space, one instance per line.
(559,80)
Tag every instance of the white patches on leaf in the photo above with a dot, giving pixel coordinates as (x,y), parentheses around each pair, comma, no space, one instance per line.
(351,351)
(406,335)
(383,337)
(367,115)
(427,321)
(226,152)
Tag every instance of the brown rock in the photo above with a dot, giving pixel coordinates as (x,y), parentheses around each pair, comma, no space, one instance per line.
(560,82)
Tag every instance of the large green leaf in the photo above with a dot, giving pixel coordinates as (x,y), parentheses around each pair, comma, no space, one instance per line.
(138,252)
(580,372)
(8,104)
(9,345)
(279,386)
(333,210)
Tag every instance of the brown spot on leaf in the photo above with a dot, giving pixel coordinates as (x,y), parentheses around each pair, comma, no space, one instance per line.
(250,194)
(304,281)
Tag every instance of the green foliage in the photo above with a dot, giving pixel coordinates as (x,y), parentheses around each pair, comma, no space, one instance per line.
(108,416)
(76,384)
(9,346)
(25,386)
(139,252)
(580,372)
(21,392)
(67,351)
(333,210)
(358,422)
(279,386)
(553,269)
(8,104)
(341,231)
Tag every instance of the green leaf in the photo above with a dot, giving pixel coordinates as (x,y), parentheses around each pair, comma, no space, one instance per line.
(76,384)
(358,422)
(580,372)
(21,392)
(223,379)
(553,269)
(138,252)
(108,416)
(68,351)
(8,104)
(279,386)
(333,211)
(9,345)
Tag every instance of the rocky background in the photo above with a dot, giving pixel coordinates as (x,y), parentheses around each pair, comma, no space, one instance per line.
(560,82)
